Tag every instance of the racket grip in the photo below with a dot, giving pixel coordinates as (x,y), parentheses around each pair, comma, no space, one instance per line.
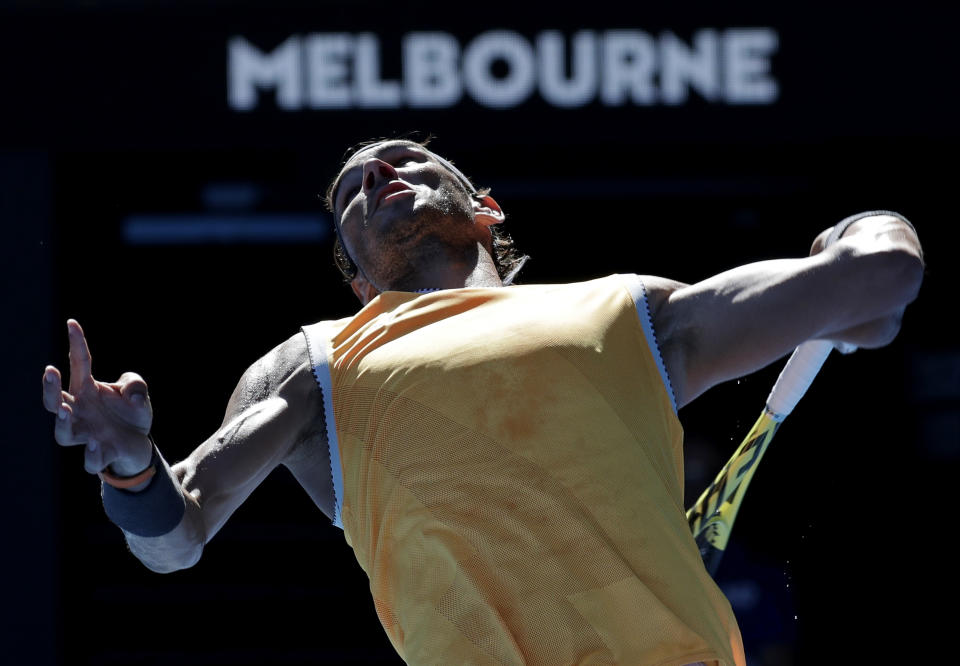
(797,376)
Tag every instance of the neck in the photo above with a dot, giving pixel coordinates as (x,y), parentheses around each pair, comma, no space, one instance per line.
(476,270)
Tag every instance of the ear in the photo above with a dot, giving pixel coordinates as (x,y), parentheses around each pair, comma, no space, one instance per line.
(487,211)
(365,291)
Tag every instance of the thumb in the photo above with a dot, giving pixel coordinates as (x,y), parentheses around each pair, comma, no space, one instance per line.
(133,388)
(133,391)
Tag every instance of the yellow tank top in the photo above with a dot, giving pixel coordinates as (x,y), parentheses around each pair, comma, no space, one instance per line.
(508,470)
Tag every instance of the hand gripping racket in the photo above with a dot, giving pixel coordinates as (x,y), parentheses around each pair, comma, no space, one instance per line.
(711,518)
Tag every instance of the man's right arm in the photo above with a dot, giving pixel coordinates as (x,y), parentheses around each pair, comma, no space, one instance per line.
(271,412)
(734,323)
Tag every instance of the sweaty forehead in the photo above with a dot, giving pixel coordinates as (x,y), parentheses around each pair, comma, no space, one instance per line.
(381,147)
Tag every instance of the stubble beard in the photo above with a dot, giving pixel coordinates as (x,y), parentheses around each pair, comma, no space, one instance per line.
(440,229)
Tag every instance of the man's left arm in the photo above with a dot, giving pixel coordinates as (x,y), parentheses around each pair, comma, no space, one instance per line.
(855,290)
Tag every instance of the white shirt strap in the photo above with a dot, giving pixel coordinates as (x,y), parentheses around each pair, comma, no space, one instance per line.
(639,294)
(318,347)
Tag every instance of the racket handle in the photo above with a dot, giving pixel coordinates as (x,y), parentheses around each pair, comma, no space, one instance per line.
(796,377)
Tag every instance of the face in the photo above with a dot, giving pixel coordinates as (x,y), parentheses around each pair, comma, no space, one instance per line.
(396,205)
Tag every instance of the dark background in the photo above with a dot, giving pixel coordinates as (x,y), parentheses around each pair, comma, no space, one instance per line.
(114,111)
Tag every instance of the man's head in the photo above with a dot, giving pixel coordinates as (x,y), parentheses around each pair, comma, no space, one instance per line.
(401,211)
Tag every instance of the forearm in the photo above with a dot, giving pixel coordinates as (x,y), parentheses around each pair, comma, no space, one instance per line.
(178,549)
(168,515)
(215,479)
(163,525)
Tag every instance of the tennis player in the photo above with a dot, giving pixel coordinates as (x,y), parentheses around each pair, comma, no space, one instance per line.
(505,462)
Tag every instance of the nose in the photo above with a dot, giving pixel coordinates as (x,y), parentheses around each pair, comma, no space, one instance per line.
(376,171)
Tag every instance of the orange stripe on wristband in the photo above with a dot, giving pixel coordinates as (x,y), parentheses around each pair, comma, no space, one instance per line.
(124,482)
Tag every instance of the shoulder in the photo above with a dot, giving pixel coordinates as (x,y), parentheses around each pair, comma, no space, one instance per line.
(286,372)
(282,371)
(670,329)
(658,292)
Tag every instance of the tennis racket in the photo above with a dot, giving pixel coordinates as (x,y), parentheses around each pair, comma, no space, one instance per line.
(711,518)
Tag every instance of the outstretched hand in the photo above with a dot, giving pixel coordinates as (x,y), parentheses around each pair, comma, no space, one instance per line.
(111,419)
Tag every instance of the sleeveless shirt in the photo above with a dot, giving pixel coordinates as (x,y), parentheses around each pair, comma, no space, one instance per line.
(508,470)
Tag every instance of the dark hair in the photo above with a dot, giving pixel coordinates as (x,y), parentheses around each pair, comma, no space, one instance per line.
(505,255)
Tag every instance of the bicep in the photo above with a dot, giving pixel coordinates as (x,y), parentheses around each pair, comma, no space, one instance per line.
(737,322)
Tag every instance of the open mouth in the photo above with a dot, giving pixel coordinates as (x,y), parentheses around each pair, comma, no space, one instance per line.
(389,192)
